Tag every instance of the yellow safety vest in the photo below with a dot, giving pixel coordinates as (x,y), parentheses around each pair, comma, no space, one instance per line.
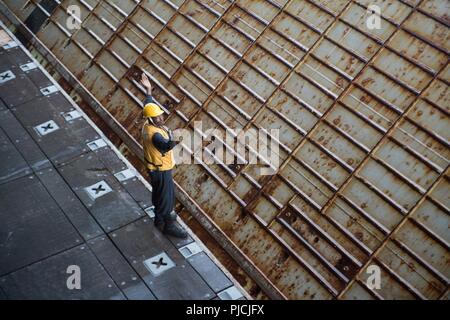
(153,157)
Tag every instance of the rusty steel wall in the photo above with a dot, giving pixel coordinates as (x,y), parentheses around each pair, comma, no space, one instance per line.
(363,118)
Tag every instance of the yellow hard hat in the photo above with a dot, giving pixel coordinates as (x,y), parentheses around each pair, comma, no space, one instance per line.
(151,110)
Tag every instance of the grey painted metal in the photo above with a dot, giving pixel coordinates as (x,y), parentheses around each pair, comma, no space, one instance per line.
(181,281)
(72,207)
(209,271)
(47,276)
(25,89)
(47,231)
(13,165)
(22,141)
(97,188)
(109,158)
(363,117)
(123,274)
(139,193)
(51,130)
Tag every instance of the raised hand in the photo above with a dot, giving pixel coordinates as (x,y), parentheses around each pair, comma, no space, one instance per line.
(146,83)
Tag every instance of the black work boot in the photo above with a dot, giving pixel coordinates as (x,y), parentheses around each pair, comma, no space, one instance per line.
(172,216)
(173,229)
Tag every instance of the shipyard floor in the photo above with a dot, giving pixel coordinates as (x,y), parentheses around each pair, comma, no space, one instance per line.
(70,202)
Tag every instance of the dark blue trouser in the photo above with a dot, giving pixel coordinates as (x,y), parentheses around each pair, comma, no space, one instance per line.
(163,194)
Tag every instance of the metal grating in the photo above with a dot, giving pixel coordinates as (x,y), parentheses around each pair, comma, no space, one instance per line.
(363,118)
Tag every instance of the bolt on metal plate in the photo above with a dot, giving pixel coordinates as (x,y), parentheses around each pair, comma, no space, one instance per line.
(189,250)
(96,144)
(232,293)
(72,115)
(98,189)
(10,45)
(150,211)
(125,175)
(46,127)
(159,264)
(28,66)
(49,90)
(6,76)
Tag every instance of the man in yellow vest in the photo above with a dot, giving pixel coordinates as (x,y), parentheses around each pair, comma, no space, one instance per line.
(158,145)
